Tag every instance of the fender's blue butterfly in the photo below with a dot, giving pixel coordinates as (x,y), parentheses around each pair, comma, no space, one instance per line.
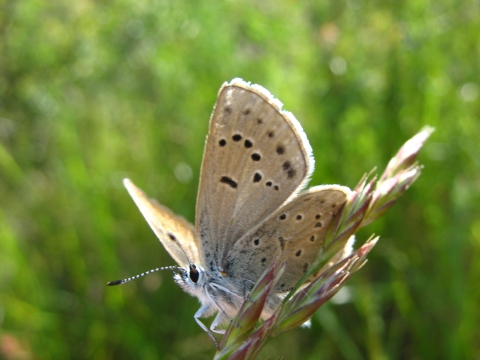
(249,210)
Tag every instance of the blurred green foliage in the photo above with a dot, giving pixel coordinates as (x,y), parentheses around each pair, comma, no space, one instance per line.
(91,92)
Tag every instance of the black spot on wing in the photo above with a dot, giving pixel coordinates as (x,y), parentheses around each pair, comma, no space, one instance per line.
(287,167)
(228,181)
(257,177)
(305,267)
(256,157)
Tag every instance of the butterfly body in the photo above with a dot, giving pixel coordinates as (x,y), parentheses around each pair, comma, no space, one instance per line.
(249,210)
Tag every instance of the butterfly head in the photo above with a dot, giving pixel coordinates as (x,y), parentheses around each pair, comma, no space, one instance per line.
(192,279)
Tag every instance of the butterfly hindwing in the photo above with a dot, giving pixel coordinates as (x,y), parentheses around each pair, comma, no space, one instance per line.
(295,232)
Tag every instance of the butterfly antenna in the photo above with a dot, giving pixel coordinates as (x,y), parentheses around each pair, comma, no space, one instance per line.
(120,282)
(174,238)
(190,262)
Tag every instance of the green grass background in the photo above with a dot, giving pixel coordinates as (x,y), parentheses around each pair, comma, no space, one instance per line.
(95,91)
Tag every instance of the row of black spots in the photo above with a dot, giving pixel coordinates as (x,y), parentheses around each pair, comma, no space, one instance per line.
(283,216)
(270,184)
(248,144)
(256,242)
(287,167)
(305,267)
(237,137)
(229,181)
(283,288)
(312,238)
(318,224)
(298,253)
(228,110)
(257,177)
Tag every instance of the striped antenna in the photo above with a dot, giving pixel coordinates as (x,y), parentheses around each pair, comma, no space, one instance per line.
(120,282)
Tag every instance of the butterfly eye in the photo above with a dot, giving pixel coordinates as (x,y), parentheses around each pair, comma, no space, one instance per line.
(194,275)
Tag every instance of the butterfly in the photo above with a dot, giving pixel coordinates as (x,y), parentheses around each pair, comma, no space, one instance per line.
(250,211)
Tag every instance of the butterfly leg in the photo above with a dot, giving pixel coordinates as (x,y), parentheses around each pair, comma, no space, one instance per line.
(205,311)
(220,320)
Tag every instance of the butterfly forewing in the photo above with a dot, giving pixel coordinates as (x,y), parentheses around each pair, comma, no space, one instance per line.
(175,233)
(256,157)
(295,232)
